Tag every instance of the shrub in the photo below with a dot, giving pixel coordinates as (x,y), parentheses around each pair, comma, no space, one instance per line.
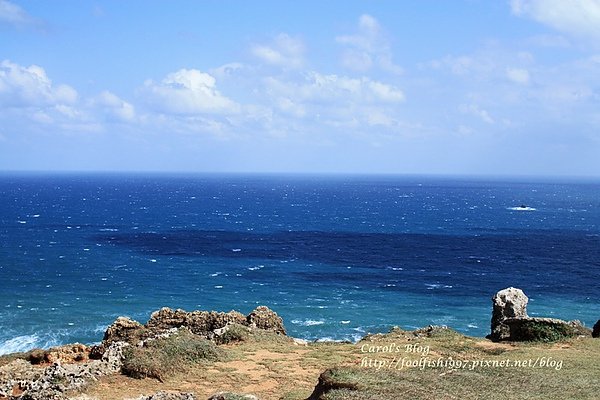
(234,333)
(541,332)
(161,358)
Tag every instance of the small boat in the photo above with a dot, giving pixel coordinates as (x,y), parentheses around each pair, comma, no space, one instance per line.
(522,207)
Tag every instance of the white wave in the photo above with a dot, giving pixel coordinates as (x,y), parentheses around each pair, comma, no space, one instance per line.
(431,286)
(236,250)
(308,322)
(22,222)
(344,322)
(109,230)
(18,344)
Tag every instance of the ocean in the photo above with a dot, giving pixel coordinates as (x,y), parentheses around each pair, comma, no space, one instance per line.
(336,256)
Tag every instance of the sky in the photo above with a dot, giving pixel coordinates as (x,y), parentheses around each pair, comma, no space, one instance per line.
(462,87)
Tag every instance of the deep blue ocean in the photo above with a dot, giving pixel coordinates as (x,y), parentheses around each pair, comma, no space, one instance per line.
(335,256)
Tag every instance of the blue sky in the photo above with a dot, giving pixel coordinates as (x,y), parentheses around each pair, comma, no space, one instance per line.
(407,87)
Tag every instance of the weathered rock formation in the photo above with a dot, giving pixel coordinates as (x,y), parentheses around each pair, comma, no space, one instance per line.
(22,380)
(232,396)
(164,395)
(511,322)
(507,303)
(122,330)
(596,330)
(70,353)
(48,374)
(203,323)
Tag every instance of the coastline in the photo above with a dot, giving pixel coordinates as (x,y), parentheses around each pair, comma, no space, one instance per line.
(198,350)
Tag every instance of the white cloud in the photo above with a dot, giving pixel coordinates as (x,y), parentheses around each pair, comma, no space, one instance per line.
(349,105)
(367,48)
(318,87)
(187,92)
(12,14)
(580,18)
(114,107)
(285,51)
(475,110)
(30,86)
(518,75)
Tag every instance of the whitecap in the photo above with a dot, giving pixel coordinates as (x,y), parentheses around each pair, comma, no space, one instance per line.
(344,322)
(308,322)
(236,250)
(19,344)
(22,222)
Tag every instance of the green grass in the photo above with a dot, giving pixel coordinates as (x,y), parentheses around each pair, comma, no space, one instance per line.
(164,357)
(575,374)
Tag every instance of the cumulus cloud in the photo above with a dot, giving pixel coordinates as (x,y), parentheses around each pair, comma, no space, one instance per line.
(30,86)
(575,17)
(187,92)
(114,107)
(284,51)
(367,48)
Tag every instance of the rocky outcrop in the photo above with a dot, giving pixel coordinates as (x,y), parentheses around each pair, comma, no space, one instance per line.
(264,318)
(70,353)
(164,395)
(232,396)
(596,330)
(507,303)
(510,321)
(197,322)
(123,330)
(22,380)
(208,324)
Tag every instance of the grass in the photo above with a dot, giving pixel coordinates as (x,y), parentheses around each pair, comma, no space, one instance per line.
(273,368)
(571,371)
(164,357)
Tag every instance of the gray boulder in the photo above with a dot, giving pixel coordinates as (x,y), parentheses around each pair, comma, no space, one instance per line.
(507,303)
(164,395)
(511,322)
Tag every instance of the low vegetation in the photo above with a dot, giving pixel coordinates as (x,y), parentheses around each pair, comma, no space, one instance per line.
(162,358)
